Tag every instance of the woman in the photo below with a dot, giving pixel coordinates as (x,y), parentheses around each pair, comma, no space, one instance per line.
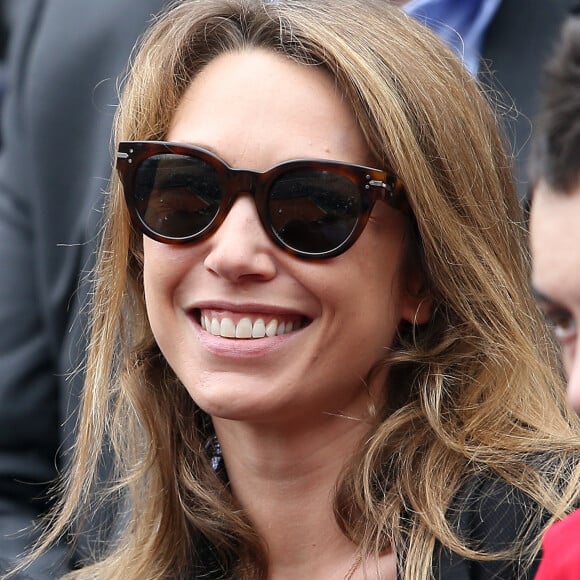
(322,359)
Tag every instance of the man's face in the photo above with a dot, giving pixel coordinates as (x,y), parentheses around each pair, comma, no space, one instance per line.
(555,247)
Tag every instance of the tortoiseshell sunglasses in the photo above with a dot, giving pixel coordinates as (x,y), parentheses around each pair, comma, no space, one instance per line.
(313,209)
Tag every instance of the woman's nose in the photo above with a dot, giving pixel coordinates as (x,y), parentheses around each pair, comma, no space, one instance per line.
(240,249)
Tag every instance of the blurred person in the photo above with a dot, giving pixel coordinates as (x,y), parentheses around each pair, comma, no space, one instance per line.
(65,59)
(504,43)
(4,31)
(314,352)
(555,247)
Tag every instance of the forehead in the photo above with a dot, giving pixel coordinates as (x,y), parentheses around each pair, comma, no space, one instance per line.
(555,242)
(256,109)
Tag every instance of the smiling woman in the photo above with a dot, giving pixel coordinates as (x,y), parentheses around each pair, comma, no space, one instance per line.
(236,276)
(314,352)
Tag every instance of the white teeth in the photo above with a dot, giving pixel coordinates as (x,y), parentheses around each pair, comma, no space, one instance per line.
(227,328)
(272,328)
(259,329)
(245,328)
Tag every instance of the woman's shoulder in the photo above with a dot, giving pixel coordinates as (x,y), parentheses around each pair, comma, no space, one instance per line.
(490,510)
(490,515)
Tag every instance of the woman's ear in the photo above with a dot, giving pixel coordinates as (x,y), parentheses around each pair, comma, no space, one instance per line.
(417,300)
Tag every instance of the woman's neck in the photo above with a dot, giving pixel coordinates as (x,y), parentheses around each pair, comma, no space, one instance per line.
(285,480)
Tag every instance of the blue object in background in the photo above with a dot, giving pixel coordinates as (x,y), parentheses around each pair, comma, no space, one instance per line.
(462,24)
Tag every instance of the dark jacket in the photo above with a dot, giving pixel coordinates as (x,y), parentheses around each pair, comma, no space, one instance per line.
(487,514)
(518,41)
(65,59)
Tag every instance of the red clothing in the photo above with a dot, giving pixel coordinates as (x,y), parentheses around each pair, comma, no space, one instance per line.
(561,550)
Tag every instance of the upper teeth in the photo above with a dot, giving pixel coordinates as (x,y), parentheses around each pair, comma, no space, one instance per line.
(226,327)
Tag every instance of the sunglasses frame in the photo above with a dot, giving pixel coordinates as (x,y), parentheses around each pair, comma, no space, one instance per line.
(373,185)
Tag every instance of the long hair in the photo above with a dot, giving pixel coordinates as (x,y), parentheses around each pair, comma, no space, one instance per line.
(477,390)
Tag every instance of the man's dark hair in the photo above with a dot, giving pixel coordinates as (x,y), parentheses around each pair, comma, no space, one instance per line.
(556,148)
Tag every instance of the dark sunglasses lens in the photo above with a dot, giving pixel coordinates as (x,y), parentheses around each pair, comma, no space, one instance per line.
(177,196)
(314,211)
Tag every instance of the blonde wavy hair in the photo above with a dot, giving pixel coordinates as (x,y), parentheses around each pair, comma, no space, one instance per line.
(476,391)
